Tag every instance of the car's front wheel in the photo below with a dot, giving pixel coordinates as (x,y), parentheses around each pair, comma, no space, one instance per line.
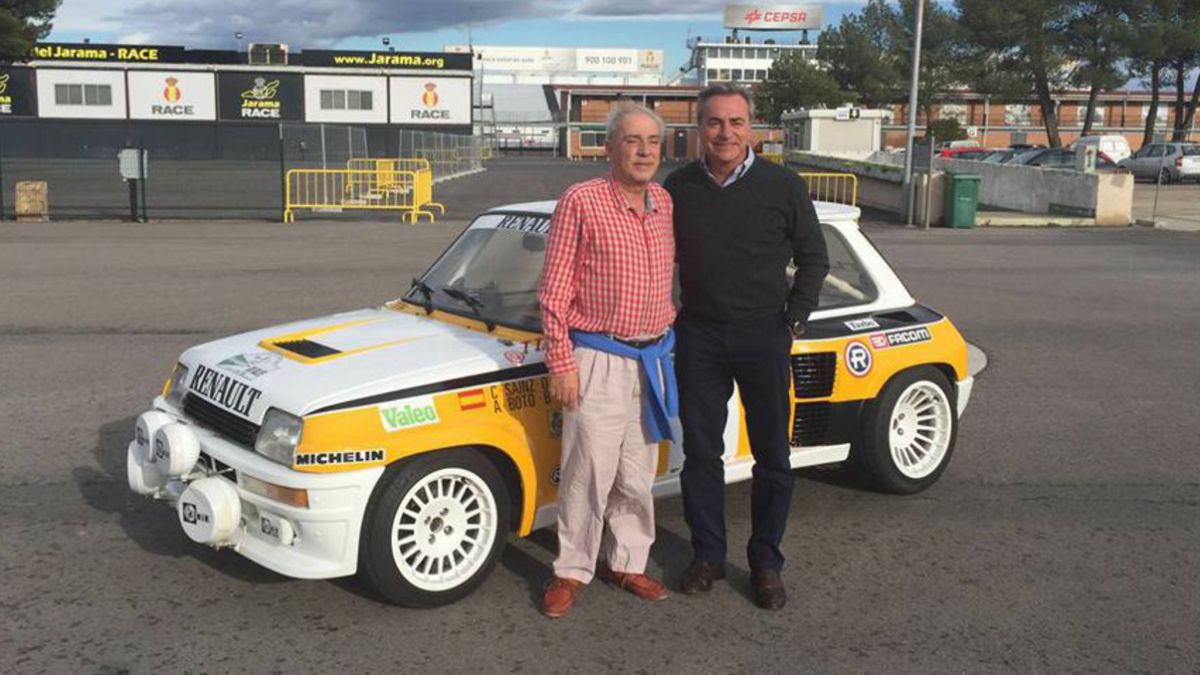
(435,528)
(909,432)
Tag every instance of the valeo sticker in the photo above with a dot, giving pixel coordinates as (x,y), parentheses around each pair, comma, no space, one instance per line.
(409,413)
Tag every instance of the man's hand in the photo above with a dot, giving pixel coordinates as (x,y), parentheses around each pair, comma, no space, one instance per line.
(565,388)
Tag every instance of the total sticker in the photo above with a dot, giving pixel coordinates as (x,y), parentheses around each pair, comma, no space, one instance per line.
(858,359)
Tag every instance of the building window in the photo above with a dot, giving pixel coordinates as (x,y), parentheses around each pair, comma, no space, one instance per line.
(760,53)
(341,99)
(83,94)
(761,75)
(723,52)
(592,139)
(712,73)
(737,74)
(723,75)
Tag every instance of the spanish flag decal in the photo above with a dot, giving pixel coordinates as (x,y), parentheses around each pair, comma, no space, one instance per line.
(471,399)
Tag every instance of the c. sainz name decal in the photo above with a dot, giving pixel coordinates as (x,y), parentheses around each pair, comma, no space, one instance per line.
(339,458)
(900,338)
(223,390)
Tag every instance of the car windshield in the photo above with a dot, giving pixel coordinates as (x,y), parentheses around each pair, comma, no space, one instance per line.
(490,272)
(1191,150)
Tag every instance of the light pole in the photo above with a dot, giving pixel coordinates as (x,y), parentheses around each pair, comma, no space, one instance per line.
(238,36)
(906,184)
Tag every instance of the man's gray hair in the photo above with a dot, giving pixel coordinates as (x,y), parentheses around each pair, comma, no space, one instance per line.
(625,108)
(723,89)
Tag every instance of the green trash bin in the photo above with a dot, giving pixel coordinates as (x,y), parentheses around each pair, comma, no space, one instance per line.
(962,198)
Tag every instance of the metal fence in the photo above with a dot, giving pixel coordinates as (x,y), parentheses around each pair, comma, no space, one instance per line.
(200,170)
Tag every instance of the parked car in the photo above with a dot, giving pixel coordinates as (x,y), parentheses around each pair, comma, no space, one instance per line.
(1166,162)
(1057,158)
(405,442)
(974,153)
(1113,145)
(999,156)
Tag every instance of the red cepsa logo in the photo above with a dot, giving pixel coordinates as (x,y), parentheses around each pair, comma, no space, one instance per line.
(755,15)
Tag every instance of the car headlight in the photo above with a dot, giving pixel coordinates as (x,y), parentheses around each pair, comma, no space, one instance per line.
(176,386)
(278,436)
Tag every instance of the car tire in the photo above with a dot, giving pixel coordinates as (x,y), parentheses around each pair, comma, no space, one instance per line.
(908,433)
(1164,177)
(434,528)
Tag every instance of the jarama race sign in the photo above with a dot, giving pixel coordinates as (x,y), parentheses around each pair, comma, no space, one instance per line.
(172,96)
(18,92)
(261,96)
(442,101)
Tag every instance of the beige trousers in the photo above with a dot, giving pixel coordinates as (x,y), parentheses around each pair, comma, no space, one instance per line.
(608,464)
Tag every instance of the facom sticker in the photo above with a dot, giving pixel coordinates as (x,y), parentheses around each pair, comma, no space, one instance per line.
(899,338)
(858,359)
(862,324)
(413,412)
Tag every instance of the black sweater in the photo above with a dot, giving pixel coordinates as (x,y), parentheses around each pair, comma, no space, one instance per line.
(734,243)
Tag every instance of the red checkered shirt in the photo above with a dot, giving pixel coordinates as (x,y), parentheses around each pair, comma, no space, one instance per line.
(607,270)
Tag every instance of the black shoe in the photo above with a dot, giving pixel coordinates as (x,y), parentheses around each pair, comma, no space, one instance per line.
(769,592)
(700,576)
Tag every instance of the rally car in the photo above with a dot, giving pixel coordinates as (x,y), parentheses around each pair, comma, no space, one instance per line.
(405,442)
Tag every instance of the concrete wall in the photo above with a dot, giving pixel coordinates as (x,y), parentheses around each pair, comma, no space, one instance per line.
(879,185)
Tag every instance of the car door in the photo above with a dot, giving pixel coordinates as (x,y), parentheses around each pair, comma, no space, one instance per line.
(1148,159)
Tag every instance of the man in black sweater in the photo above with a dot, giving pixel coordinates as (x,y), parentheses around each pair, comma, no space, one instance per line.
(739,220)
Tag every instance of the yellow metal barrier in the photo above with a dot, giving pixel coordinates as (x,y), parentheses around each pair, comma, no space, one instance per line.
(840,188)
(409,192)
(776,157)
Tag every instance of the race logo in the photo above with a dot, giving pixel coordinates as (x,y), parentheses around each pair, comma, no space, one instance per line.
(556,475)
(900,338)
(251,366)
(430,98)
(262,90)
(515,358)
(4,83)
(269,528)
(340,458)
(415,412)
(862,324)
(471,400)
(172,94)
(6,101)
(259,101)
(858,359)
(223,390)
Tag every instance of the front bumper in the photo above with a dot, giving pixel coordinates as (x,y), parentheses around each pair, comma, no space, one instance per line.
(317,542)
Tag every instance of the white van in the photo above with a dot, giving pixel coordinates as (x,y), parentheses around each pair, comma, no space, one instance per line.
(1116,147)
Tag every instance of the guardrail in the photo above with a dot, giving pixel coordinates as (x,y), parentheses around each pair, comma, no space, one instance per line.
(382,187)
(840,188)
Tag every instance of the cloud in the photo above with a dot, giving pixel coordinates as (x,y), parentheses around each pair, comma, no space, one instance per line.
(644,8)
(311,23)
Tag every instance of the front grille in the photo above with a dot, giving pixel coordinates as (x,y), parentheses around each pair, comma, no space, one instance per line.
(308,348)
(812,424)
(812,374)
(209,416)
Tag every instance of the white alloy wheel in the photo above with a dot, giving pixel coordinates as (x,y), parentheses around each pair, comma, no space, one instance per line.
(444,529)
(920,428)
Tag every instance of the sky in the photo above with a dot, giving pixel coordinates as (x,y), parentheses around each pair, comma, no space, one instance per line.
(424,25)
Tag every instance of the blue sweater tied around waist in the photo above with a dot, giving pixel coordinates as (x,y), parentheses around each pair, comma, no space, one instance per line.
(660,401)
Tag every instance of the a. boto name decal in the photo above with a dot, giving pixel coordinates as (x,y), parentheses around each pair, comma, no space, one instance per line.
(340,458)
(899,338)
(413,412)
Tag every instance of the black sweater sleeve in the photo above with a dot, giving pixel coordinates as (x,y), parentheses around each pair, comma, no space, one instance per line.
(809,254)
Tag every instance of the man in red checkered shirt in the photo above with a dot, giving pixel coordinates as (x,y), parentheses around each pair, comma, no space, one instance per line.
(606,304)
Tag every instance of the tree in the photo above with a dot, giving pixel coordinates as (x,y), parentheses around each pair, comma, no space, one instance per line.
(1167,47)
(22,23)
(1099,39)
(870,53)
(1019,44)
(946,130)
(793,83)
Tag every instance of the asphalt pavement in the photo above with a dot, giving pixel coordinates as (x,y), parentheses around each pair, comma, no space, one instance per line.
(1064,536)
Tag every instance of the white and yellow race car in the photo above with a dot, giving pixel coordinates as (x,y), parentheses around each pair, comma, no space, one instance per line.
(406,441)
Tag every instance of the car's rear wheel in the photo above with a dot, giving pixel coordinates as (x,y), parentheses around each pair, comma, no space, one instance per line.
(435,528)
(909,432)
(1164,176)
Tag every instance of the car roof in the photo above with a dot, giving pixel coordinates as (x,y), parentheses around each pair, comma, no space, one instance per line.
(825,210)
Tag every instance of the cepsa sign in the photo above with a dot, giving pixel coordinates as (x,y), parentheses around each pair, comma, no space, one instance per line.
(776,17)
(107,53)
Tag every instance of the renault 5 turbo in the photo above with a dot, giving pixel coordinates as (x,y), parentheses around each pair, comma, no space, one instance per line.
(406,442)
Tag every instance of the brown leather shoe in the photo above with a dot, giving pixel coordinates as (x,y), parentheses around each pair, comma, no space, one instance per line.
(560,596)
(700,576)
(769,592)
(645,587)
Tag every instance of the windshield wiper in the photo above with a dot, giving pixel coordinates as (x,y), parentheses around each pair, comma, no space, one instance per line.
(426,292)
(475,304)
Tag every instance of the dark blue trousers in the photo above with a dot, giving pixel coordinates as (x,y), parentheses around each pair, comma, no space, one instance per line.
(710,356)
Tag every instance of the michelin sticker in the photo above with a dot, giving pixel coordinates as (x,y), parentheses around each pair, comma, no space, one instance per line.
(409,413)
(341,458)
(858,359)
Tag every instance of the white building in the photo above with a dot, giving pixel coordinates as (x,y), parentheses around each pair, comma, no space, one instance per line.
(742,61)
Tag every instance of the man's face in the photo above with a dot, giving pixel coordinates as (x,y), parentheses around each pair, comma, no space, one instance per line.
(633,152)
(725,129)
